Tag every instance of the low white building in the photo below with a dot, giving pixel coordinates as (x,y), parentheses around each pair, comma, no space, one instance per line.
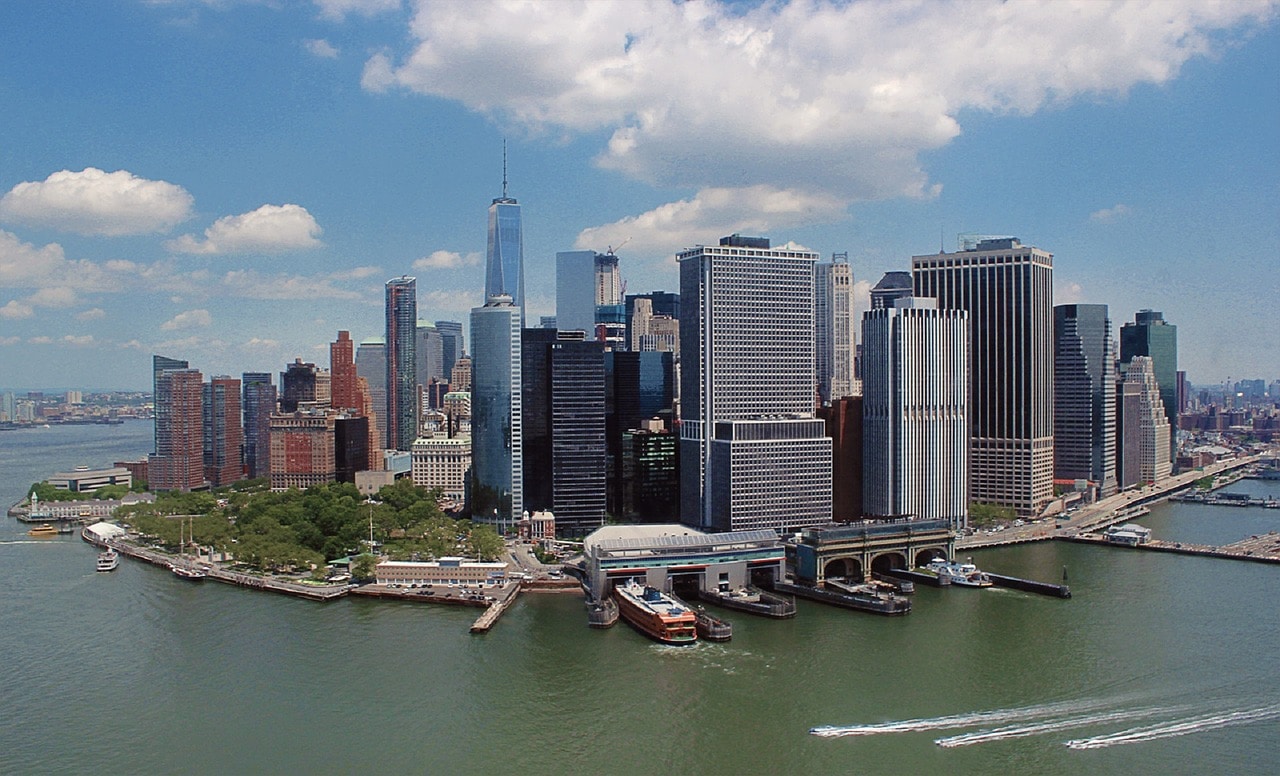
(446,571)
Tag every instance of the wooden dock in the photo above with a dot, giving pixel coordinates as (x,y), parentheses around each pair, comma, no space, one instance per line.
(495,610)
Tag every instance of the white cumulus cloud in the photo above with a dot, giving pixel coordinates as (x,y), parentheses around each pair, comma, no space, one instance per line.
(191,319)
(337,10)
(447,260)
(92,314)
(837,101)
(95,202)
(79,340)
(269,229)
(4,341)
(1109,214)
(320,47)
(14,309)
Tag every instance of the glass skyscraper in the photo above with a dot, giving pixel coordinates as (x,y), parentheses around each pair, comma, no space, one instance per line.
(401,354)
(576,292)
(497,418)
(504,260)
(257,404)
(1084,396)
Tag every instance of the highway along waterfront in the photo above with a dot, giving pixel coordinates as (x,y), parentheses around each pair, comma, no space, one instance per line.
(1158,664)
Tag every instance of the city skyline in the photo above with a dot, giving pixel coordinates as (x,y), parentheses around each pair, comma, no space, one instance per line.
(160,195)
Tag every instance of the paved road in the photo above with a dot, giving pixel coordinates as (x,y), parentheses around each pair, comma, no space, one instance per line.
(1103,512)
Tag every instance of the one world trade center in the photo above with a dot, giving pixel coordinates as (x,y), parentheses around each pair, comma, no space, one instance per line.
(504,261)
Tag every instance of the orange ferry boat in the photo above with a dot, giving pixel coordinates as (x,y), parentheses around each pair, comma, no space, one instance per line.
(655,614)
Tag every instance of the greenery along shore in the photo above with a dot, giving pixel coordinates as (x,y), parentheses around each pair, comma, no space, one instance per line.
(295,530)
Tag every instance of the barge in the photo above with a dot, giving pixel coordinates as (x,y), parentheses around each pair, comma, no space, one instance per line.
(752,601)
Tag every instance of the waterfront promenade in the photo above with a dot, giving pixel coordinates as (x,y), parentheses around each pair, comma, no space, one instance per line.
(1109,511)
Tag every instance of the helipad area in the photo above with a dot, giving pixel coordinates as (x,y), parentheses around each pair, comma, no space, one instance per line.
(661,553)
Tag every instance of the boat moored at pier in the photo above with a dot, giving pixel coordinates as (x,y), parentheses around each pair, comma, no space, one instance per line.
(962,574)
(656,614)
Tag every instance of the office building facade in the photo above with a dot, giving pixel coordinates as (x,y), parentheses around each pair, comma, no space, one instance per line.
(504,258)
(1007,290)
(751,454)
(834,331)
(915,412)
(178,462)
(402,358)
(1145,447)
(223,445)
(344,392)
(1151,336)
(576,292)
(257,402)
(1084,396)
(371,366)
(452,345)
(497,414)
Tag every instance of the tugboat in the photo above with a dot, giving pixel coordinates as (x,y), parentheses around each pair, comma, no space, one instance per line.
(108,560)
(963,574)
(656,614)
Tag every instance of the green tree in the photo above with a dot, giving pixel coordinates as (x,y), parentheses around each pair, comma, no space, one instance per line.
(364,567)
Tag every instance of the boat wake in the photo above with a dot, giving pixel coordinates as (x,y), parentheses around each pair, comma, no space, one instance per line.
(995,716)
(1181,727)
(1052,726)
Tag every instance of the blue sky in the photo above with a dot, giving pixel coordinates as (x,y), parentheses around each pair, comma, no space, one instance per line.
(231,182)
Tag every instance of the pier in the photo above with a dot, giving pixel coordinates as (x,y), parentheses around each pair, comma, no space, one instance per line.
(1030,585)
(1263,548)
(487,620)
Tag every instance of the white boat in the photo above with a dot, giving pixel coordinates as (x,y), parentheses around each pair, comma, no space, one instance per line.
(963,574)
(108,560)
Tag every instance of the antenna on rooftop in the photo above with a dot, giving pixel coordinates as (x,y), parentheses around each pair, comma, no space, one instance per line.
(504,168)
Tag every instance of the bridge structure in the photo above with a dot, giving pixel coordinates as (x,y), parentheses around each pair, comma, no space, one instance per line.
(854,550)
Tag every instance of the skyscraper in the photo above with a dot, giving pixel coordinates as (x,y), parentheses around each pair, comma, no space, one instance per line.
(563,385)
(429,355)
(371,365)
(178,462)
(343,390)
(661,304)
(497,423)
(576,292)
(751,453)
(894,285)
(401,355)
(504,259)
(1149,335)
(915,426)
(1007,289)
(298,385)
(223,434)
(1144,446)
(834,332)
(1084,396)
(257,403)
(452,345)
(162,364)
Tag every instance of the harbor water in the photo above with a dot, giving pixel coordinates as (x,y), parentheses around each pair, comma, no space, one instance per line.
(1158,664)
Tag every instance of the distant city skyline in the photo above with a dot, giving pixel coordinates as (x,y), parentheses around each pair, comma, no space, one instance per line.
(233,182)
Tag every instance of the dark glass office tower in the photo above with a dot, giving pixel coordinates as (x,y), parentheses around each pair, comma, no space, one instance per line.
(258,401)
(1084,396)
(564,452)
(452,345)
(401,353)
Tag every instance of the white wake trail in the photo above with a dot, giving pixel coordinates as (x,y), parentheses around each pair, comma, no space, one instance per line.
(1180,727)
(1022,731)
(994,716)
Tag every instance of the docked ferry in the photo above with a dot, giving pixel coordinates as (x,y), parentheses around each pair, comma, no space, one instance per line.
(963,574)
(656,614)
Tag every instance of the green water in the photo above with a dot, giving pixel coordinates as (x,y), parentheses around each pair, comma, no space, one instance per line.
(139,672)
